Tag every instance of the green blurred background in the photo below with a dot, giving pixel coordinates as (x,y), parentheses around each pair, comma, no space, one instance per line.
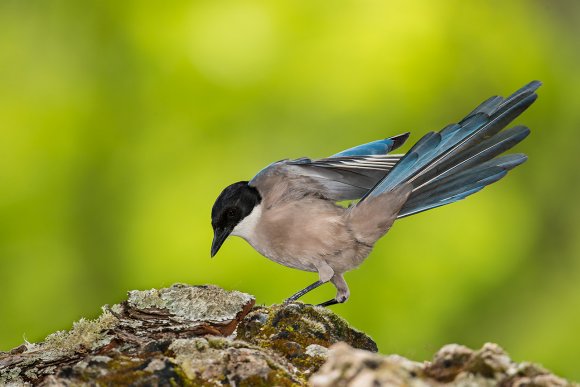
(121,121)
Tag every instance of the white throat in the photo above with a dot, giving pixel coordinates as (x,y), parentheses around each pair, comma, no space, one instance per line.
(247,227)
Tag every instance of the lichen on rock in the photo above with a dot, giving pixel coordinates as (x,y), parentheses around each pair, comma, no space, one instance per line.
(207,303)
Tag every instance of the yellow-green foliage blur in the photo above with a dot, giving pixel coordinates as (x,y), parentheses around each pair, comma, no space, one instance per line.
(121,121)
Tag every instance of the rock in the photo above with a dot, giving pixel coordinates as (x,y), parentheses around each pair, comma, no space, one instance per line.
(205,335)
(453,365)
(347,366)
(133,336)
(185,309)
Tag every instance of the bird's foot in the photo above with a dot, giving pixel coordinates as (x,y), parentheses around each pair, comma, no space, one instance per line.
(295,302)
(338,300)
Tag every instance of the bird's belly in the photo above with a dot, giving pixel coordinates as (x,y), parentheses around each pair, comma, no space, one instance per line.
(300,264)
(302,234)
(342,258)
(348,259)
(283,256)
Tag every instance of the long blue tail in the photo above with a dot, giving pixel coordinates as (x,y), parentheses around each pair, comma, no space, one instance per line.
(460,160)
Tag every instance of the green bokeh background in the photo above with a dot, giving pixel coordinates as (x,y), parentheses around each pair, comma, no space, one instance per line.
(121,121)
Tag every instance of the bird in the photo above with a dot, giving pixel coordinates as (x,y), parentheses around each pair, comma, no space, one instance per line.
(290,211)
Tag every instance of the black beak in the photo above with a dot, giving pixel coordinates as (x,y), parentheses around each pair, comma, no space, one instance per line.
(219,237)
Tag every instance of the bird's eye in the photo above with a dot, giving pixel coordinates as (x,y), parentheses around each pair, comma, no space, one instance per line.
(231,213)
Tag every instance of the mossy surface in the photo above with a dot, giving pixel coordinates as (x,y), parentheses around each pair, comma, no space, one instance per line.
(226,361)
(124,371)
(290,329)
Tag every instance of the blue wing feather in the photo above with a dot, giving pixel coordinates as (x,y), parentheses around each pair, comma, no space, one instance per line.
(379,147)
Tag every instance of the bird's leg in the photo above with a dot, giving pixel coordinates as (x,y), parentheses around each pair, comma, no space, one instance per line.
(325,273)
(342,292)
(302,292)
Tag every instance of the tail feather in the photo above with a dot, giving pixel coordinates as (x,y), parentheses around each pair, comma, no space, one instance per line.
(506,162)
(483,151)
(488,106)
(459,186)
(507,113)
(446,166)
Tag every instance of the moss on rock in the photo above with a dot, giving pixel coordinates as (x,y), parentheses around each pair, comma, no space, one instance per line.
(219,361)
(84,335)
(290,329)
